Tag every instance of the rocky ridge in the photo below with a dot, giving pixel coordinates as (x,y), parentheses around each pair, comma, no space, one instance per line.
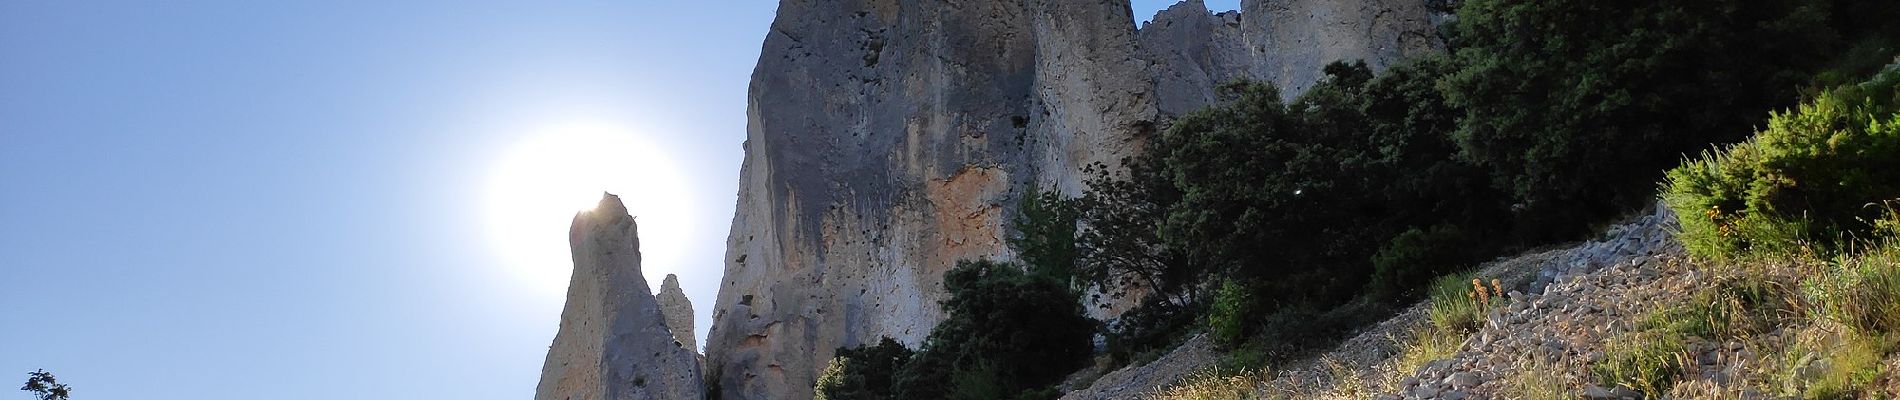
(613,343)
(887,140)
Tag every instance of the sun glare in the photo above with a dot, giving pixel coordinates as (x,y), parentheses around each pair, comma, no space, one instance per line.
(543,180)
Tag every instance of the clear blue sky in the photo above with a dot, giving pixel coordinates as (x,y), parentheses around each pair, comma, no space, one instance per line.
(239,200)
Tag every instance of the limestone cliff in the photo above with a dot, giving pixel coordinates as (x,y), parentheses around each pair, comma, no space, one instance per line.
(888,139)
(613,343)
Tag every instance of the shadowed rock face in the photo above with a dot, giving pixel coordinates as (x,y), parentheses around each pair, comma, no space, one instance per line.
(614,343)
(888,139)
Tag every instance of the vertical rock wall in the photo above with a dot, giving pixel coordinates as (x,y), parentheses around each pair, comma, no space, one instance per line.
(613,343)
(888,139)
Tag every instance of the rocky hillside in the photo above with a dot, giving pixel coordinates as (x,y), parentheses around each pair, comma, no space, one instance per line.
(1631,308)
(887,140)
(1378,355)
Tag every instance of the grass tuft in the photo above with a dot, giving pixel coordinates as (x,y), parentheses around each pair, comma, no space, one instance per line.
(1460,302)
(1647,361)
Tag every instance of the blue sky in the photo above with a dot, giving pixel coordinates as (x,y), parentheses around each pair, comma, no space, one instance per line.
(238,200)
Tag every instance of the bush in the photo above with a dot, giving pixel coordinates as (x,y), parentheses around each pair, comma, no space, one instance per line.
(1819,175)
(1401,268)
(1232,311)
(1153,326)
(1006,330)
(863,373)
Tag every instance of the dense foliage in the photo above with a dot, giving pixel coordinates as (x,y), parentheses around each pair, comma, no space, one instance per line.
(1827,170)
(1009,329)
(1577,107)
(1545,120)
(1009,334)
(1045,234)
(863,373)
(1278,224)
(1298,204)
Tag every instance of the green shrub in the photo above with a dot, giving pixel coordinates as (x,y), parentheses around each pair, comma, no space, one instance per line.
(1406,265)
(1154,326)
(863,373)
(1818,175)
(1006,328)
(1232,311)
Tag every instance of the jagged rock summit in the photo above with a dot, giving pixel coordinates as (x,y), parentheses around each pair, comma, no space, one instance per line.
(614,343)
(678,310)
(887,139)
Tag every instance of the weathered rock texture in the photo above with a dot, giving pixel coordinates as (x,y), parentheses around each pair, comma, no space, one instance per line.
(888,139)
(614,343)
(678,310)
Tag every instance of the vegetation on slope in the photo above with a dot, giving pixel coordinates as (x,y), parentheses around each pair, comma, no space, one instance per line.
(1282,226)
(1814,315)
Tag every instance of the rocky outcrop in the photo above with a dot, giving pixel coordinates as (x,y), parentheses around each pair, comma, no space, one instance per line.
(1284,42)
(678,310)
(887,140)
(614,343)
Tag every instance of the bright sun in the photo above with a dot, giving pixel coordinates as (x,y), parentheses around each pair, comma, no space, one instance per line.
(542,181)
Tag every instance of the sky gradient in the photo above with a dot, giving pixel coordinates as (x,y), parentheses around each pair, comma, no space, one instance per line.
(239,200)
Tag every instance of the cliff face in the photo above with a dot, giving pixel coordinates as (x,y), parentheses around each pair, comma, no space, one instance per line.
(613,343)
(888,139)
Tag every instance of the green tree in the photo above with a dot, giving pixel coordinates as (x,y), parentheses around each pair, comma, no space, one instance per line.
(864,373)
(1279,194)
(1118,249)
(45,387)
(1577,106)
(1006,329)
(1045,234)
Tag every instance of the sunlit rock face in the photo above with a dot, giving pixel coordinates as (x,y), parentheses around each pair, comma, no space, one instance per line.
(678,310)
(887,140)
(614,343)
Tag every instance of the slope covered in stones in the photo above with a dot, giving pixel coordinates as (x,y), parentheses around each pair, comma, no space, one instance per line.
(1370,360)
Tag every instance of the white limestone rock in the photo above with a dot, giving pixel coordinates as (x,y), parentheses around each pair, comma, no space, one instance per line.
(678,310)
(614,343)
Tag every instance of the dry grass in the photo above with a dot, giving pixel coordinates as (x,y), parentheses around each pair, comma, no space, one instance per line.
(1789,326)
(1214,384)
